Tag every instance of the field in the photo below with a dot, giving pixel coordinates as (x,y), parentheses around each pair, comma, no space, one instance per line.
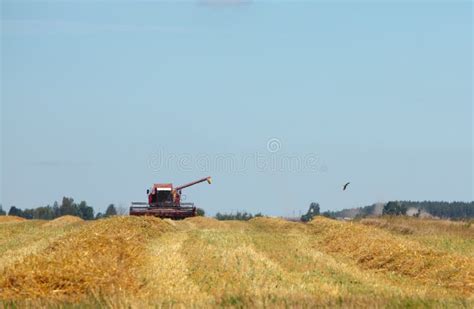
(149,262)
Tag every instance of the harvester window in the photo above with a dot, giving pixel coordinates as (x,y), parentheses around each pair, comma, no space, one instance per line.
(163,196)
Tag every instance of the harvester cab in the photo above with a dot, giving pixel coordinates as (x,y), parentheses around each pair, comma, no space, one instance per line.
(160,194)
(164,201)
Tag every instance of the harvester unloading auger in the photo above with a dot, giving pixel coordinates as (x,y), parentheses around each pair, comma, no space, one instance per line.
(164,201)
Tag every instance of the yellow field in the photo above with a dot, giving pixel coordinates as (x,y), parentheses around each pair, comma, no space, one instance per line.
(201,262)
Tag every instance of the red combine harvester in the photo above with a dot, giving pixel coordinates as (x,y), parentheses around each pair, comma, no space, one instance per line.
(164,201)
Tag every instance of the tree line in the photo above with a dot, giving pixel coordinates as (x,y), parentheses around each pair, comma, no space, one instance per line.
(448,210)
(67,207)
(444,210)
(239,215)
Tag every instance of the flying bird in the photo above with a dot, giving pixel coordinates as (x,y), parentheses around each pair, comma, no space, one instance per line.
(345,186)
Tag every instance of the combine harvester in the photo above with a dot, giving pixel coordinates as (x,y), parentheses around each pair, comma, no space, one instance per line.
(164,201)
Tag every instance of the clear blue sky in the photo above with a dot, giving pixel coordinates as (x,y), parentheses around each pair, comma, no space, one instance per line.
(94,93)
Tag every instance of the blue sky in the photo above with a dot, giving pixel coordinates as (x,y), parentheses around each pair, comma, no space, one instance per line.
(101,99)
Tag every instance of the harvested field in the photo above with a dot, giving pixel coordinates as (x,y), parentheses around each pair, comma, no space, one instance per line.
(6,219)
(148,262)
(25,237)
(442,235)
(379,250)
(102,257)
(64,220)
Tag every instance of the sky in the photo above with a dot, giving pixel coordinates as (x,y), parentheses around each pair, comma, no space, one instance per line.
(280,102)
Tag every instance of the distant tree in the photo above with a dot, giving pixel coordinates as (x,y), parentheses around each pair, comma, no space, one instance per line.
(329,214)
(200,212)
(312,211)
(28,213)
(56,211)
(2,212)
(99,215)
(15,212)
(111,211)
(68,207)
(85,212)
(220,216)
(395,209)
(43,213)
